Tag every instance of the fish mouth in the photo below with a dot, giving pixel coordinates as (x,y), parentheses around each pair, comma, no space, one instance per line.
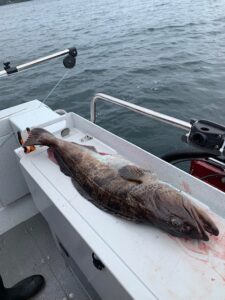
(193,223)
(198,233)
(195,232)
(200,225)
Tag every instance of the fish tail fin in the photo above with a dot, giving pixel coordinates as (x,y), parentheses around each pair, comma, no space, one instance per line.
(40,136)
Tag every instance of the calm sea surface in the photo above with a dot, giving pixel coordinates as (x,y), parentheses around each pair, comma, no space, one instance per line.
(164,55)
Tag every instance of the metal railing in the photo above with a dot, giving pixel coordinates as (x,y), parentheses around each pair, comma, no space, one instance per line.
(138,109)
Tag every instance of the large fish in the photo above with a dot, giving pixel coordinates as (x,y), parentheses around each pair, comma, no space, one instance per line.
(116,185)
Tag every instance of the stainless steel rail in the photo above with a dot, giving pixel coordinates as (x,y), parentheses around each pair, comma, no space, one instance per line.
(37,61)
(138,109)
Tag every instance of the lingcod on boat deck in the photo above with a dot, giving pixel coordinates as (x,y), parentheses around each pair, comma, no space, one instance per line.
(116,185)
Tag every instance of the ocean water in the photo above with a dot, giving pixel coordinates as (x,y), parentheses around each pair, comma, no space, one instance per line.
(164,55)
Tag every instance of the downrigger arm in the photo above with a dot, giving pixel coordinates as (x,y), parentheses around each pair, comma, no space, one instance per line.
(69,62)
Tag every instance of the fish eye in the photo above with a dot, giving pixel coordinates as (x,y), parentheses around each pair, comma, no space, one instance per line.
(175,221)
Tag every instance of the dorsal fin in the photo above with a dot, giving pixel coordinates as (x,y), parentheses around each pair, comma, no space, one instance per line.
(91,148)
(132,173)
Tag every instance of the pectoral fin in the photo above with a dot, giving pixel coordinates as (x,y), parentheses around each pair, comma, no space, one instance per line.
(132,173)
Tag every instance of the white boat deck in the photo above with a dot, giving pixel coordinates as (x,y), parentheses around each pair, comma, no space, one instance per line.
(29,249)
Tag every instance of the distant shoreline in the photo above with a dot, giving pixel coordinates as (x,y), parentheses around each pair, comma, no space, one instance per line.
(5,2)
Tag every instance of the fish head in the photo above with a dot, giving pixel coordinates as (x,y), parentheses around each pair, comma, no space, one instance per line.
(180,217)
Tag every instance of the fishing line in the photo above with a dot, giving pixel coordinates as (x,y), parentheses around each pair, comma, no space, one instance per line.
(56,85)
(42,103)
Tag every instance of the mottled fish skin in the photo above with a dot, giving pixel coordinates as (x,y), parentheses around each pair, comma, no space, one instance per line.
(114,184)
